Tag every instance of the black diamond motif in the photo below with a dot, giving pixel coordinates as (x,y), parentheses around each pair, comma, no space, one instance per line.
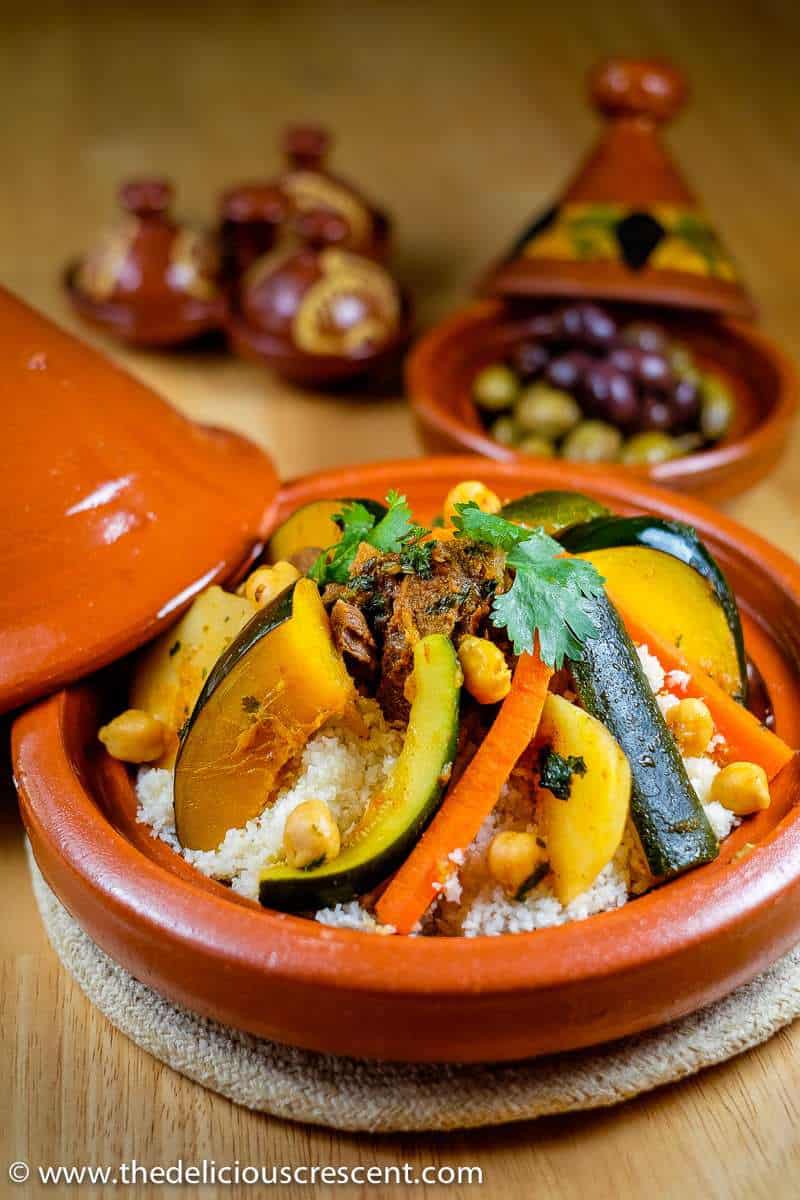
(638,235)
(533,230)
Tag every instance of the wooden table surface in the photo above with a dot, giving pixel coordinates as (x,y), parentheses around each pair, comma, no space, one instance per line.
(464,119)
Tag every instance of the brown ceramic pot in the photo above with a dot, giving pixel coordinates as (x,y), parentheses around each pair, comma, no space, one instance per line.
(149,281)
(444,362)
(319,315)
(100,507)
(661,956)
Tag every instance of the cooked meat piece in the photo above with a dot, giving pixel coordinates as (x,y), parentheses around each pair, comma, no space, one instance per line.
(354,640)
(455,599)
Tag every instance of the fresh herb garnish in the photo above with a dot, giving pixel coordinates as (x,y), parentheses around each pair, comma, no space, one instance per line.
(251,704)
(394,533)
(551,595)
(556,771)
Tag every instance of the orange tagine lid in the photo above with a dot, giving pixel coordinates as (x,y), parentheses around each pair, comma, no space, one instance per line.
(628,227)
(114,509)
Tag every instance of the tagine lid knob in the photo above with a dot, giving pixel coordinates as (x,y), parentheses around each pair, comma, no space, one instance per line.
(628,226)
(146,197)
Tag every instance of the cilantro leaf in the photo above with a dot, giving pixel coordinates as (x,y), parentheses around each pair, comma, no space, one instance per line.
(551,595)
(394,533)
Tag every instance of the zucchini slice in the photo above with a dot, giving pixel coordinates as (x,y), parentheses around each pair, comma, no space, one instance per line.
(638,557)
(394,821)
(553,512)
(269,692)
(313,526)
(673,828)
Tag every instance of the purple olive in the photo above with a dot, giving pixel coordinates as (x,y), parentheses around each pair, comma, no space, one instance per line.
(626,359)
(686,402)
(587,325)
(566,372)
(655,372)
(656,414)
(599,327)
(530,359)
(544,327)
(610,394)
(645,337)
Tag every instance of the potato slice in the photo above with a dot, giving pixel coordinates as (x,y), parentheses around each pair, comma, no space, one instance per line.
(583,831)
(170,674)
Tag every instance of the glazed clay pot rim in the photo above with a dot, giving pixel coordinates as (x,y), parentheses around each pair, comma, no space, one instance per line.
(427,405)
(189,317)
(65,823)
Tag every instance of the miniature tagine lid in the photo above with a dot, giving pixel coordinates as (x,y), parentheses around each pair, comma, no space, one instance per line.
(628,226)
(149,279)
(114,509)
(309,201)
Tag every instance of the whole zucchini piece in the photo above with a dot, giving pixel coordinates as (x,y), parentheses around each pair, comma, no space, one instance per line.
(554,512)
(313,526)
(673,828)
(394,820)
(274,686)
(677,608)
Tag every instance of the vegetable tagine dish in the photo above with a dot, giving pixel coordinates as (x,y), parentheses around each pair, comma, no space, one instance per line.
(589,389)
(527,713)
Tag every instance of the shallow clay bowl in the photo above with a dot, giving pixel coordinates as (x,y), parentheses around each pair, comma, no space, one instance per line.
(443,364)
(661,956)
(316,370)
(178,318)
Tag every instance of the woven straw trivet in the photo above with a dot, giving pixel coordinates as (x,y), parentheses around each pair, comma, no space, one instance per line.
(351,1094)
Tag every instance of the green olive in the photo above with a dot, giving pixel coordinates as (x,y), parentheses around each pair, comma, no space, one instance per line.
(687,443)
(681,361)
(646,449)
(504,430)
(546,411)
(592,441)
(537,447)
(716,408)
(495,388)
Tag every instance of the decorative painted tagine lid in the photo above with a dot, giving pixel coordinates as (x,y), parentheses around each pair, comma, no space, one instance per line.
(627,227)
(149,280)
(114,509)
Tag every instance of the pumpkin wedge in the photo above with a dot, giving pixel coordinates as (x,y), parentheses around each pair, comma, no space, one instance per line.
(278,682)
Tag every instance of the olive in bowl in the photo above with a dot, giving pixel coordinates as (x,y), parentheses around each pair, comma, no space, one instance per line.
(587,388)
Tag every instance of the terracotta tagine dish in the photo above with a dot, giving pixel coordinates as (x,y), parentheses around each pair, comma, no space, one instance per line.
(616,330)
(149,280)
(211,948)
(101,502)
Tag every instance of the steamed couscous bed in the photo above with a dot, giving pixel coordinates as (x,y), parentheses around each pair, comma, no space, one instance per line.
(345,768)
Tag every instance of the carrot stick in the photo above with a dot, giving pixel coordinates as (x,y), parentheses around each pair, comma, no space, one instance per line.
(747,738)
(465,809)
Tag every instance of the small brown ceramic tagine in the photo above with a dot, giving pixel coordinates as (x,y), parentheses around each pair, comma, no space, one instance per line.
(628,226)
(149,280)
(318,314)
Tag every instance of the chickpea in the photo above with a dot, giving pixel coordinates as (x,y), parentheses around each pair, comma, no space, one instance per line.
(742,788)
(513,858)
(471,489)
(692,725)
(487,676)
(310,835)
(136,737)
(265,583)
